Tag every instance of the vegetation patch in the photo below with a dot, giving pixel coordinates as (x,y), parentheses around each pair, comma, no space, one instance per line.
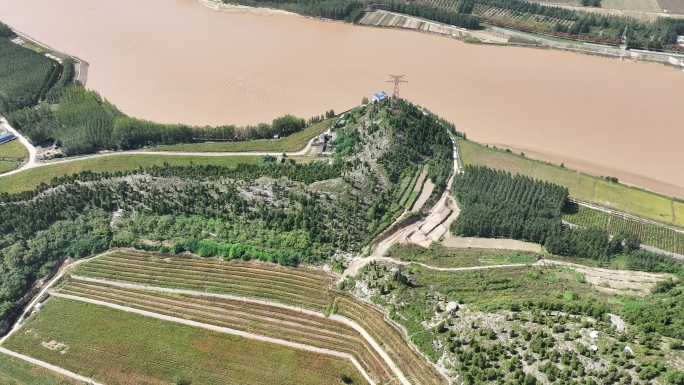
(580,186)
(293,142)
(115,347)
(531,325)
(448,257)
(32,178)
(649,234)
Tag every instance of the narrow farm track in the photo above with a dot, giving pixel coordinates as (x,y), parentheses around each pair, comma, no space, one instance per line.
(221,330)
(257,317)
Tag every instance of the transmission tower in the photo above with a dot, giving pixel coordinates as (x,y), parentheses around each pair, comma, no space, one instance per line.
(397,80)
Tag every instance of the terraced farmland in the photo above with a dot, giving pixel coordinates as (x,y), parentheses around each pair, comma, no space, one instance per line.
(391,340)
(298,287)
(270,321)
(116,347)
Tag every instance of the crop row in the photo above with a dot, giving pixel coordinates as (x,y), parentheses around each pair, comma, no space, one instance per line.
(441,4)
(506,14)
(650,234)
(185,273)
(207,272)
(239,287)
(259,319)
(416,368)
(232,266)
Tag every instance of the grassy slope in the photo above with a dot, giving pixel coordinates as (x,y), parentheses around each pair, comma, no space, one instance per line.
(122,348)
(13,149)
(581,186)
(14,371)
(29,179)
(457,257)
(293,142)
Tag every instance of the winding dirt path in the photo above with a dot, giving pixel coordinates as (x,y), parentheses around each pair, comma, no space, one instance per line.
(423,232)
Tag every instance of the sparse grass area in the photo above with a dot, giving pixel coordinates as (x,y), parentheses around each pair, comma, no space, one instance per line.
(503,287)
(14,150)
(581,186)
(14,371)
(294,142)
(31,178)
(116,347)
(678,208)
(456,257)
(631,5)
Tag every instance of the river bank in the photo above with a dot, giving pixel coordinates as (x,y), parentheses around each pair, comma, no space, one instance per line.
(243,69)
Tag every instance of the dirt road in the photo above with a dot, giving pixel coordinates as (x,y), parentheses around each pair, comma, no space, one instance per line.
(33,164)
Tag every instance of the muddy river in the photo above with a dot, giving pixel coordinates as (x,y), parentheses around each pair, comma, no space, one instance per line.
(178,61)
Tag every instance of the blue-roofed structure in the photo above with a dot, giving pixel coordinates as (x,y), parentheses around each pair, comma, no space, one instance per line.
(379,96)
(6,137)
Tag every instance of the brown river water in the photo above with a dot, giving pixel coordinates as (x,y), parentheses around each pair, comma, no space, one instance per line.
(178,61)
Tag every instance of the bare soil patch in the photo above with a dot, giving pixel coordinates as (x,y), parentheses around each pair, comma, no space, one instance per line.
(490,243)
(614,281)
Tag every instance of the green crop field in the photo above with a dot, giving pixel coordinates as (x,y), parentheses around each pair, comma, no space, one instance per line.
(14,371)
(14,150)
(116,347)
(29,179)
(294,142)
(299,287)
(581,186)
(260,319)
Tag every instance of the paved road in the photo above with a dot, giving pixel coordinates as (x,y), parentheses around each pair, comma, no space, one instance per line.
(54,368)
(335,317)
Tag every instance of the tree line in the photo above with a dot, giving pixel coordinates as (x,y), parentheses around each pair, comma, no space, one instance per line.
(496,204)
(82,122)
(25,76)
